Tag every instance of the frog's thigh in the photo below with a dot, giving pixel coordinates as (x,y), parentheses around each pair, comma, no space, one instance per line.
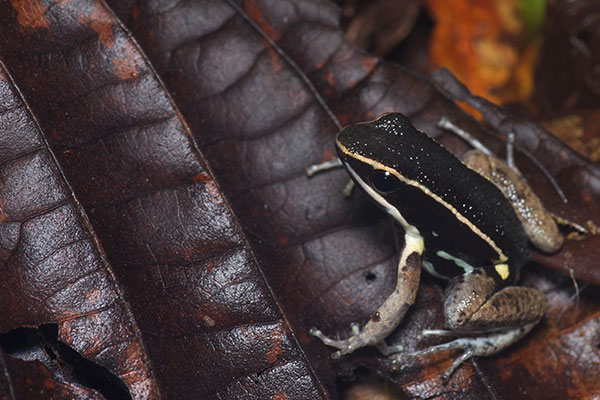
(473,302)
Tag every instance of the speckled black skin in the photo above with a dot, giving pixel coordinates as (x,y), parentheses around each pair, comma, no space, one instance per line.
(394,142)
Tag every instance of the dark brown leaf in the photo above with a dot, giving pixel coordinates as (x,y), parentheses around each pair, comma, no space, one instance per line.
(568,76)
(52,268)
(380,25)
(199,303)
(31,380)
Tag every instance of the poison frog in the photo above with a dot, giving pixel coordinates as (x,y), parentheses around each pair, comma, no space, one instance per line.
(457,225)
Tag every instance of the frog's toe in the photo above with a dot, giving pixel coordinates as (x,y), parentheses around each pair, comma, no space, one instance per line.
(437,332)
(316,332)
(344,346)
(389,350)
(339,344)
(396,360)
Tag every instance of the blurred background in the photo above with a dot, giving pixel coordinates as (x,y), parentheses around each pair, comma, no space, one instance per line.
(540,58)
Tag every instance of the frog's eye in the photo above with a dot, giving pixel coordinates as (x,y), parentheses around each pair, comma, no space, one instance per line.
(383,181)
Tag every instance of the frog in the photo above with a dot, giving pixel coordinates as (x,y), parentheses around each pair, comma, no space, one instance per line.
(458,226)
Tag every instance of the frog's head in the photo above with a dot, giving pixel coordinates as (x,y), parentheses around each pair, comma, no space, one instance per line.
(387,152)
(379,154)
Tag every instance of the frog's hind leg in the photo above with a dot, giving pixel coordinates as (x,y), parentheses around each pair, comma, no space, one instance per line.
(389,315)
(476,302)
(476,346)
(489,318)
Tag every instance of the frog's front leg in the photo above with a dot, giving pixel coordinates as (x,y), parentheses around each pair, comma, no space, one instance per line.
(390,313)
(490,318)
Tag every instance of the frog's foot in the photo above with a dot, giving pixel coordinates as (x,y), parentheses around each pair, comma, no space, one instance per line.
(477,346)
(345,346)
